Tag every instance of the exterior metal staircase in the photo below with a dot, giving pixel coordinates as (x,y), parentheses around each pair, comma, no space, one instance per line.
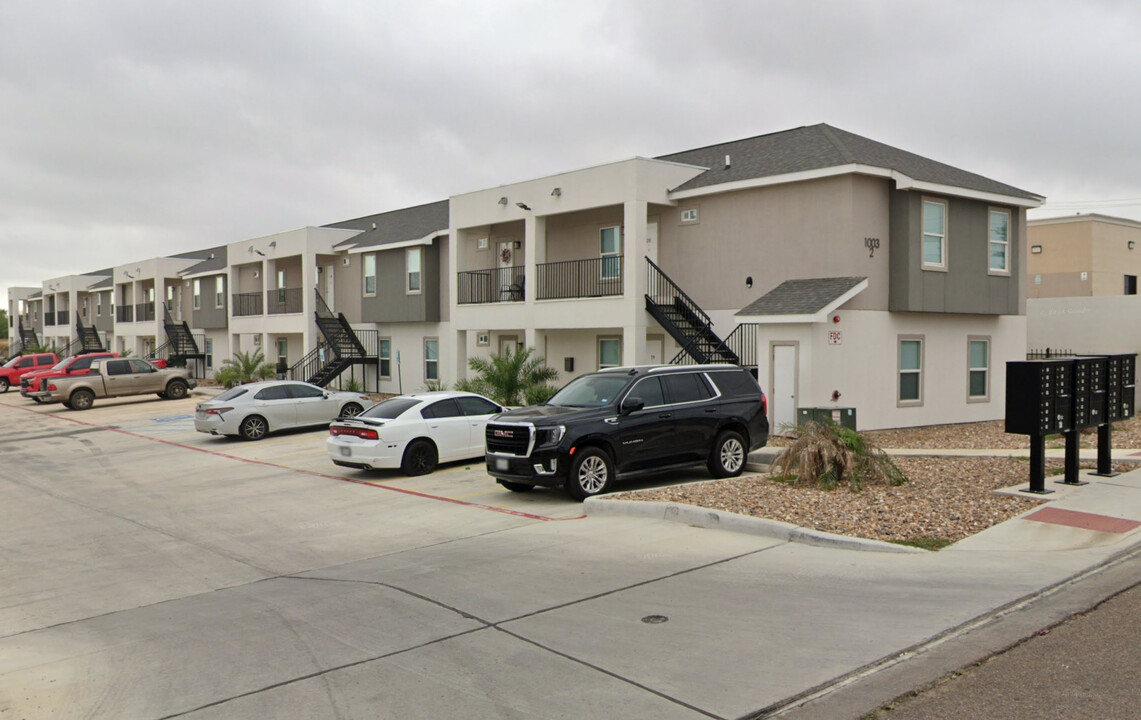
(340,349)
(28,339)
(181,345)
(685,321)
(88,338)
(742,341)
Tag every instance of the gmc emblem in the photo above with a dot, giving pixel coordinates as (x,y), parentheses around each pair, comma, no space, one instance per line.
(502,433)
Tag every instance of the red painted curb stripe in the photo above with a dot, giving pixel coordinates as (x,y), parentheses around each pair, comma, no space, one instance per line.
(1084,521)
(326,476)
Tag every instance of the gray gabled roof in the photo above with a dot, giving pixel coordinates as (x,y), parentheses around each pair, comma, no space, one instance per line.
(816,147)
(801,297)
(213,260)
(395,226)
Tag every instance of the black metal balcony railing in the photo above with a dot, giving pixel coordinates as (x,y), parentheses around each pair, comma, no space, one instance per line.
(505,284)
(62,317)
(49,317)
(285,300)
(594,277)
(125,313)
(247,304)
(144,312)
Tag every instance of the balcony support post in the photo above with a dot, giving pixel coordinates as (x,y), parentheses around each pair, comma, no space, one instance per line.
(634,248)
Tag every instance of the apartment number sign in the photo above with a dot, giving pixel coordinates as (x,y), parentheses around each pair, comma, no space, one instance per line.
(872,244)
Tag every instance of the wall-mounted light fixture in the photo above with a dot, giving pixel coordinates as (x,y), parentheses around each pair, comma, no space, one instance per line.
(273,243)
(1132,244)
(522,205)
(1036,249)
(557,192)
(749,281)
(503,200)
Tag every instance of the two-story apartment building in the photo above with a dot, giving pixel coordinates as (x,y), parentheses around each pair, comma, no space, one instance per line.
(844,270)
(1086,255)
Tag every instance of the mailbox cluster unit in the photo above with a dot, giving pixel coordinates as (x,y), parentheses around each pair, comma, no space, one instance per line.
(1044,397)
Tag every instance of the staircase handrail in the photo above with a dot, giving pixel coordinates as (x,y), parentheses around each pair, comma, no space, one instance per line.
(309,365)
(678,293)
(322,308)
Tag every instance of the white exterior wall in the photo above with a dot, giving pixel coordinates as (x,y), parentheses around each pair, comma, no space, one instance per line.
(864,368)
(1089,325)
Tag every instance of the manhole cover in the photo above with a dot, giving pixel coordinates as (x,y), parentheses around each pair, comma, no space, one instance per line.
(655,619)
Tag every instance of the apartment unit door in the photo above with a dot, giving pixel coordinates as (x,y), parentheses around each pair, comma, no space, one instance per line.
(782,393)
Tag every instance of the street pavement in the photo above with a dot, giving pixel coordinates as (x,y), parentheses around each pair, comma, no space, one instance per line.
(153,572)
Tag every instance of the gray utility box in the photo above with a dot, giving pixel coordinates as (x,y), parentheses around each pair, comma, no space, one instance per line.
(844,417)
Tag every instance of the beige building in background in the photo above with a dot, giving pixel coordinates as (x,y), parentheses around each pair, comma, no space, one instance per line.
(1083,256)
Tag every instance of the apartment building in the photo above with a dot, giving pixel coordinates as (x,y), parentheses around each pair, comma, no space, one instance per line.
(843,270)
(1087,255)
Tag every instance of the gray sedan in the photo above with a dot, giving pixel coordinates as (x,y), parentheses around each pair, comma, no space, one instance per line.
(256,409)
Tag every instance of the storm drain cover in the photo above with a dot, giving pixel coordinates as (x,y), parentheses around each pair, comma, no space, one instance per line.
(655,619)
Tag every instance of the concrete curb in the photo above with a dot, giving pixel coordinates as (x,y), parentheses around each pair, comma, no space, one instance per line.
(719,520)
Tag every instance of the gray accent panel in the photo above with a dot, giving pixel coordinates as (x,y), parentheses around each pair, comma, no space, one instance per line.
(392,303)
(966,286)
(209,317)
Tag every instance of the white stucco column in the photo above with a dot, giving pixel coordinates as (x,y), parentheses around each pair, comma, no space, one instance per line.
(308,302)
(634,282)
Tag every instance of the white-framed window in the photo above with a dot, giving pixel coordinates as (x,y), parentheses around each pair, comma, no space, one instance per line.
(220,292)
(197,294)
(689,215)
(151,294)
(610,248)
(999,242)
(934,234)
(209,353)
(482,243)
(978,372)
(369,264)
(412,260)
(281,287)
(385,357)
(609,352)
(483,338)
(431,358)
(283,352)
(910,370)
(99,305)
(170,298)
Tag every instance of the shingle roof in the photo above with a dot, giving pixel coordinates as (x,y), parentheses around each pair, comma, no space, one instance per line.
(395,226)
(816,147)
(801,297)
(214,259)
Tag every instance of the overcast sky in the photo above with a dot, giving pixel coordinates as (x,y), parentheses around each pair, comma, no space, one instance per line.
(131,129)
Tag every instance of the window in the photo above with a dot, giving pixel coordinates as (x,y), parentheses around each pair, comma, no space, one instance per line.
(978,374)
(281,287)
(1037,279)
(609,352)
(431,359)
(282,352)
(385,357)
(686,387)
(689,215)
(170,298)
(99,305)
(219,292)
(650,390)
(610,248)
(474,406)
(197,294)
(412,259)
(1000,241)
(442,409)
(150,294)
(1130,284)
(273,392)
(209,352)
(370,274)
(911,371)
(299,391)
(934,234)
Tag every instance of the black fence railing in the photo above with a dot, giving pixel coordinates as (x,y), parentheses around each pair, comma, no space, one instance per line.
(285,300)
(144,312)
(311,364)
(593,277)
(125,313)
(49,318)
(370,340)
(661,290)
(247,304)
(504,284)
(1047,353)
(742,341)
(62,317)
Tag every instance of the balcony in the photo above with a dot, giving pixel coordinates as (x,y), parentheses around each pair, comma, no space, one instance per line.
(505,284)
(247,304)
(125,313)
(62,316)
(591,278)
(144,312)
(285,300)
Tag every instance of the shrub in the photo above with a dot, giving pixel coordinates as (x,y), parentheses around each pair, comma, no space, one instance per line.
(507,378)
(829,455)
(244,368)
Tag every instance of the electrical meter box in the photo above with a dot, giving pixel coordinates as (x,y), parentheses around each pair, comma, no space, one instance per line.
(844,417)
(1039,398)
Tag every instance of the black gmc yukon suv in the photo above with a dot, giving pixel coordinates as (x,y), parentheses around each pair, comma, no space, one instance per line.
(628,421)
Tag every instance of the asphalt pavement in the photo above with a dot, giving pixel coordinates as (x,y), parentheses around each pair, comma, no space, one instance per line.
(152,572)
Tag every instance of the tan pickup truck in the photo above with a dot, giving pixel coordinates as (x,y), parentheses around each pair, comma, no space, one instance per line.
(116,377)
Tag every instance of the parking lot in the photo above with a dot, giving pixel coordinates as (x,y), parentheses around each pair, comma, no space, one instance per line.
(154,572)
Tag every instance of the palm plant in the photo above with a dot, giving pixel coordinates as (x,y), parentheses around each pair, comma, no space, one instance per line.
(830,455)
(509,377)
(244,368)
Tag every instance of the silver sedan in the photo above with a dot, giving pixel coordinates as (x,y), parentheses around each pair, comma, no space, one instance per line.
(256,409)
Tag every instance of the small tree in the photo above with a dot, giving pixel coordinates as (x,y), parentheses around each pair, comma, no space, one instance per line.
(830,455)
(508,378)
(3,324)
(244,368)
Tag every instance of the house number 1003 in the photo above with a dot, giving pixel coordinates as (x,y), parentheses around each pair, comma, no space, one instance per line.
(872,244)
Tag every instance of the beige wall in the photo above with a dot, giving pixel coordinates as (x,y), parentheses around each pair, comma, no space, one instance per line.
(1096,246)
(747,234)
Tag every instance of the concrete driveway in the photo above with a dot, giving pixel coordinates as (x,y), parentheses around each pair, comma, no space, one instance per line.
(153,572)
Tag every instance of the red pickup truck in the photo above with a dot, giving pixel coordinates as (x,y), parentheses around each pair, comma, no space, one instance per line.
(73,365)
(20,365)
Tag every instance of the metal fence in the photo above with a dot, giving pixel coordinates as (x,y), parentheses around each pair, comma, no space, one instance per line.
(503,284)
(247,304)
(593,277)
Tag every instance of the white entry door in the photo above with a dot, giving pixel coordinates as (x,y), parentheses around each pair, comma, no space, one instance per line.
(782,396)
(654,350)
(329,285)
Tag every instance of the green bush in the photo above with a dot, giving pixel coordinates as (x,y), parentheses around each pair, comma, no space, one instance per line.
(244,368)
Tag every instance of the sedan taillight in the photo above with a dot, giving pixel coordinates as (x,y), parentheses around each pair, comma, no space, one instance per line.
(362,433)
(218,411)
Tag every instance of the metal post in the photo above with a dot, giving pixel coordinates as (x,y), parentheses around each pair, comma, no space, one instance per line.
(1105,451)
(1037,466)
(1073,458)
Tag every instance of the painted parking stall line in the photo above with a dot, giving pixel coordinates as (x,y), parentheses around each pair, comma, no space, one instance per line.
(313,473)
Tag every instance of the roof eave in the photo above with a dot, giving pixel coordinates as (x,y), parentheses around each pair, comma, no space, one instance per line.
(819,316)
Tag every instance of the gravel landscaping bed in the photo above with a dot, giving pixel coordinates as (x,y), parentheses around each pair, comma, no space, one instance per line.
(945,499)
